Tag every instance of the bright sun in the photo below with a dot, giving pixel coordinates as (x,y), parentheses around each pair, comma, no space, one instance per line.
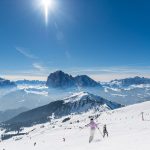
(47,5)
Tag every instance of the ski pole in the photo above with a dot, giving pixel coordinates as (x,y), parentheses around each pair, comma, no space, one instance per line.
(100,132)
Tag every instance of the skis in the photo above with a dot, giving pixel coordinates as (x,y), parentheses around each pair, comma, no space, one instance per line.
(91,139)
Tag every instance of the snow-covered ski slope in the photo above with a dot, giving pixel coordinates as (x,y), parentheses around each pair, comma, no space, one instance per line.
(126,130)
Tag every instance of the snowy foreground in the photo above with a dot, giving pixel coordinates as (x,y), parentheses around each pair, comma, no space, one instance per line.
(126,130)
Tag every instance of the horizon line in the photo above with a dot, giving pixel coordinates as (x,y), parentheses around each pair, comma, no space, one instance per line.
(96,77)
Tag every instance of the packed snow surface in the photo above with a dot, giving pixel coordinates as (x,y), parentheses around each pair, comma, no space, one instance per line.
(126,130)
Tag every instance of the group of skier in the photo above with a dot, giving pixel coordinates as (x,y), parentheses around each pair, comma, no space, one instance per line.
(93,126)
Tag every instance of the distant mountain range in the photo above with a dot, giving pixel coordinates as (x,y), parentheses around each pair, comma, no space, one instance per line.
(34,93)
(75,104)
(130,81)
(30,82)
(6,83)
(60,79)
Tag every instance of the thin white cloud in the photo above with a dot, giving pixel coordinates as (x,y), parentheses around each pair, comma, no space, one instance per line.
(26,53)
(27,77)
(99,74)
(109,77)
(111,73)
(113,69)
(40,67)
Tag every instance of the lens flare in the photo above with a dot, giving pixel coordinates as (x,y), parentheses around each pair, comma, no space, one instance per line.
(48,5)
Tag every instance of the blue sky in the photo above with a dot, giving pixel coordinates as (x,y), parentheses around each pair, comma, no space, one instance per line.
(102,38)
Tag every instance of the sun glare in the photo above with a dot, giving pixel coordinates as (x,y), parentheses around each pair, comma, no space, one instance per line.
(47,5)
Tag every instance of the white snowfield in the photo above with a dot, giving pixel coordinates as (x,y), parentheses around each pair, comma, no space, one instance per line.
(126,130)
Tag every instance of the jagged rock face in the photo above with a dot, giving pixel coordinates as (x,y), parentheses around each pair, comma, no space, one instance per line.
(6,83)
(85,81)
(59,79)
(78,103)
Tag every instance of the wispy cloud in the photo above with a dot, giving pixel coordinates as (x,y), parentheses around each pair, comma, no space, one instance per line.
(113,69)
(114,72)
(39,71)
(40,67)
(27,77)
(25,52)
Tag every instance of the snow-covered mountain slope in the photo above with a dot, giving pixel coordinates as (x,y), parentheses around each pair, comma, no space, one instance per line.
(32,94)
(126,130)
(75,104)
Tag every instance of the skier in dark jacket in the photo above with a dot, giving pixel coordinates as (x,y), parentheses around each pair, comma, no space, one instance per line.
(105,132)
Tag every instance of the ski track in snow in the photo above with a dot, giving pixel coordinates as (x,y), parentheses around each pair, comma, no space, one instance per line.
(126,130)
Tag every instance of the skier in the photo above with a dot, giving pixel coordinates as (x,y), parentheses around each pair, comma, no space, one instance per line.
(142,113)
(105,132)
(64,139)
(92,126)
